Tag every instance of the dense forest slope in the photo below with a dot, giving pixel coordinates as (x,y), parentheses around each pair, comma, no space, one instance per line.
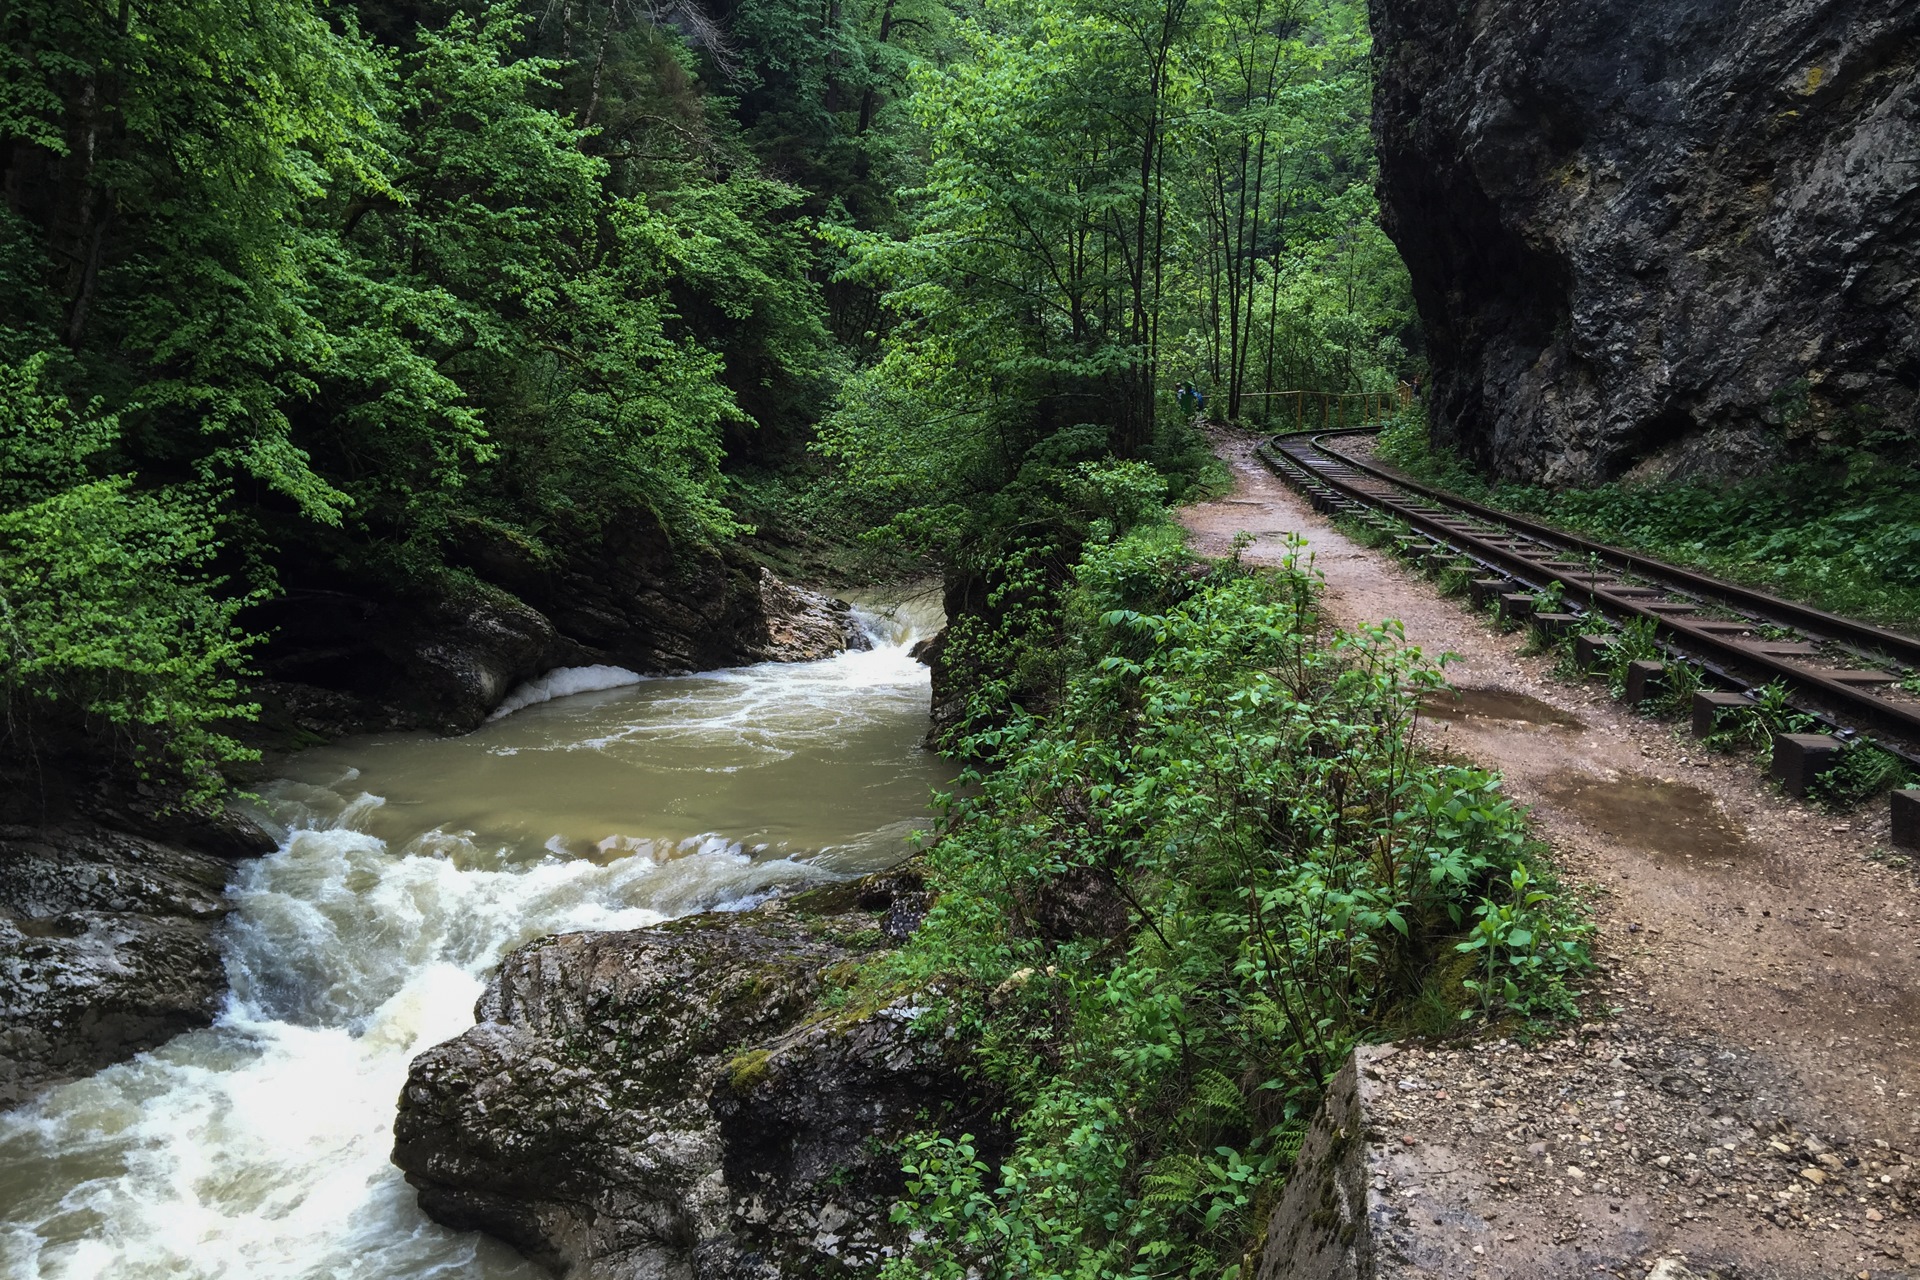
(357,362)
(366,359)
(1674,237)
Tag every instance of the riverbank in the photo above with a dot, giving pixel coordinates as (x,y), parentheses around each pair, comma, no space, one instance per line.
(111,884)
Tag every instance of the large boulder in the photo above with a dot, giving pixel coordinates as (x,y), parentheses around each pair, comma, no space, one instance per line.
(1655,238)
(683,1101)
(106,949)
(802,625)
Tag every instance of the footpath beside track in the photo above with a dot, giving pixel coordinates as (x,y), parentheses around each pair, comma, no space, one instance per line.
(1845,674)
(1740,1098)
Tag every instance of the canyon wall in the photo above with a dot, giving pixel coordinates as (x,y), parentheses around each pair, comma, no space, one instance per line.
(1655,239)
(346,654)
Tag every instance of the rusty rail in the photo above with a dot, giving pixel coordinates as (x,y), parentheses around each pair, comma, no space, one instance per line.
(1842,663)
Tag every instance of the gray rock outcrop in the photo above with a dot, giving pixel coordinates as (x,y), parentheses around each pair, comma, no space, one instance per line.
(679,1101)
(351,659)
(1663,239)
(106,949)
(803,625)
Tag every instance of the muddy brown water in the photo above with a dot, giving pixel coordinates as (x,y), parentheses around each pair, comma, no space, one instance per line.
(1496,704)
(1671,820)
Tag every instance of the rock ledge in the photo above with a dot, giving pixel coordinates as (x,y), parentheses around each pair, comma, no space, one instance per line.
(679,1101)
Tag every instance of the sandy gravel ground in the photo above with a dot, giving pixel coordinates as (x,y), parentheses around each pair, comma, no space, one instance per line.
(1747,1094)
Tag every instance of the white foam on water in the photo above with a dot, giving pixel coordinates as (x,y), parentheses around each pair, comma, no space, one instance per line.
(562,682)
(258,1149)
(770,708)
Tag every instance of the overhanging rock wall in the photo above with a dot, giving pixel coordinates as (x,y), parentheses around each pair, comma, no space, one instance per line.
(1675,237)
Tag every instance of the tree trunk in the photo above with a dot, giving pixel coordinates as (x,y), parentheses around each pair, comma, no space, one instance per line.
(870,99)
(599,66)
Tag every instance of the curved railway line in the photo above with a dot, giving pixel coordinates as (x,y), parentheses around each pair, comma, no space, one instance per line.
(1847,675)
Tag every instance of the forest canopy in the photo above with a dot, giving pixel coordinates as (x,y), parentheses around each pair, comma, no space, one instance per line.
(297,292)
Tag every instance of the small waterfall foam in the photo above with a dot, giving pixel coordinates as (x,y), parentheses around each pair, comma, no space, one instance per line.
(562,682)
(258,1148)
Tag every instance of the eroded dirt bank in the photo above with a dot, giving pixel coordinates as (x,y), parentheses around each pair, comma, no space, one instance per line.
(1754,1102)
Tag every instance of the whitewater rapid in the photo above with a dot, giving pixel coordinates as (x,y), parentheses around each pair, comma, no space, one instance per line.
(258,1148)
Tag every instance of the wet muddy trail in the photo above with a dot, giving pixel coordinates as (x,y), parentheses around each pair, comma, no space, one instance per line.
(1769,940)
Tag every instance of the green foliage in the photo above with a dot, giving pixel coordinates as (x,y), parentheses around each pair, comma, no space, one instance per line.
(397,285)
(1753,725)
(1403,440)
(826,95)
(1515,962)
(1637,640)
(376,304)
(109,621)
(177,147)
(1116,198)
(1279,869)
(1864,771)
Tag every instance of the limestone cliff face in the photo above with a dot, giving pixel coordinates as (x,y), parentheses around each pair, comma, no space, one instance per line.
(1677,237)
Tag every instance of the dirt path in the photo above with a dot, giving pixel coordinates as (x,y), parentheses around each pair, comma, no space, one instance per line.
(1751,1103)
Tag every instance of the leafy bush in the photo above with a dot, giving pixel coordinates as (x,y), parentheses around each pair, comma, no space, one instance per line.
(110,626)
(1177,900)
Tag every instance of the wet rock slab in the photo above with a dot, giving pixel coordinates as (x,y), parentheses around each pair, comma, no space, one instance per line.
(106,949)
(804,625)
(679,1101)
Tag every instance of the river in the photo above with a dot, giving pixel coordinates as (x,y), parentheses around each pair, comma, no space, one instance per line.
(408,866)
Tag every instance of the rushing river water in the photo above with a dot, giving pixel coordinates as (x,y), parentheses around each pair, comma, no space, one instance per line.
(258,1149)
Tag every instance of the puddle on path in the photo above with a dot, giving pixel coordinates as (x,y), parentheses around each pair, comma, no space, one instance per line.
(1672,820)
(1496,704)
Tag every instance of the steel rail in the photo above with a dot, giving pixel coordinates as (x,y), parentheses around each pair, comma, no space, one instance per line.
(1824,625)
(1846,691)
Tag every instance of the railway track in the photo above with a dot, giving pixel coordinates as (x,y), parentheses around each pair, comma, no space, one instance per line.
(1848,675)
